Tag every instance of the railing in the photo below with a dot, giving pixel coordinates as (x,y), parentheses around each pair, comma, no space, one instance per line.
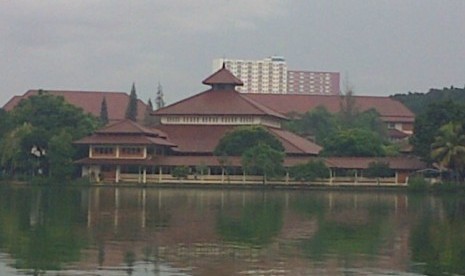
(254,179)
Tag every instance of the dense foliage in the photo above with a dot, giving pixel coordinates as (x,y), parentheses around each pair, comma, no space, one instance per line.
(260,151)
(104,112)
(131,109)
(264,160)
(346,133)
(236,142)
(379,169)
(38,134)
(428,123)
(418,102)
(309,171)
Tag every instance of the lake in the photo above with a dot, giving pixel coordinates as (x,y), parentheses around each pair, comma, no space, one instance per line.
(184,231)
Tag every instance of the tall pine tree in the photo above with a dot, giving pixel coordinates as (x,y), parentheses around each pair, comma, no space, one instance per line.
(148,118)
(131,109)
(159,99)
(104,112)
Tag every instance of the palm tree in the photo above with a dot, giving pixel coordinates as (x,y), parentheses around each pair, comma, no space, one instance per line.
(448,148)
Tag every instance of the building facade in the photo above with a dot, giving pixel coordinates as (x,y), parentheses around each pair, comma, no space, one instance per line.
(258,76)
(271,76)
(307,82)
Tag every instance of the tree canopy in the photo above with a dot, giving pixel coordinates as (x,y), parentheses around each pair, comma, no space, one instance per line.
(428,123)
(131,109)
(261,152)
(448,148)
(239,140)
(418,102)
(104,112)
(349,132)
(353,142)
(41,130)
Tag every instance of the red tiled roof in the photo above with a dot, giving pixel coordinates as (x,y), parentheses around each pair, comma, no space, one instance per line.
(123,140)
(222,76)
(294,143)
(204,139)
(194,138)
(129,127)
(218,102)
(127,132)
(389,109)
(89,101)
(406,163)
(395,133)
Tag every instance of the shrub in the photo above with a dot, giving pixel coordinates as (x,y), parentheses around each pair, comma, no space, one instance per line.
(309,171)
(180,172)
(417,184)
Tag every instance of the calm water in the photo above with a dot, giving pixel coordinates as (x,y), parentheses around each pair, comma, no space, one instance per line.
(131,231)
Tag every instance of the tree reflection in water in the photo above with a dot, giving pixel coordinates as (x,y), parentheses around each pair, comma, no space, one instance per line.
(217,232)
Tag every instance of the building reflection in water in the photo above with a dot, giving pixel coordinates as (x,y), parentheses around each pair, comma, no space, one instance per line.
(213,232)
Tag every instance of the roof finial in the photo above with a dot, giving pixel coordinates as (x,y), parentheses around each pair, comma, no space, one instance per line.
(224,65)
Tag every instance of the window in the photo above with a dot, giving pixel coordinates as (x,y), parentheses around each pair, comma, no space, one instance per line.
(131,150)
(103,150)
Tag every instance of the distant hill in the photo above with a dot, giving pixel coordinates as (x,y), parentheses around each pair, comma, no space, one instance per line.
(417,102)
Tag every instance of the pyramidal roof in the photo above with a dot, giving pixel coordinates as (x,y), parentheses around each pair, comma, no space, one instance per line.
(222,76)
(219,100)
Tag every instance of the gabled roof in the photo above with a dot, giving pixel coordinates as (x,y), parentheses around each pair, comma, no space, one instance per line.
(222,76)
(389,109)
(127,132)
(89,101)
(213,102)
(294,143)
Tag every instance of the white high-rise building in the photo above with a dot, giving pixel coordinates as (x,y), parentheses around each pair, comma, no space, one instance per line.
(259,76)
(271,75)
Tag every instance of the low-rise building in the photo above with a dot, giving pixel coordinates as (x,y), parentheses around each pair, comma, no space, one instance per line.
(188,133)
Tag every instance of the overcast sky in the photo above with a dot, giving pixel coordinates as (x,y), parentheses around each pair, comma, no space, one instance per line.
(381,47)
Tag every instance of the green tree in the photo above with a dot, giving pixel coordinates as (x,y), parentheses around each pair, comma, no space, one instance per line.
(60,155)
(348,109)
(131,109)
(427,124)
(378,169)
(180,172)
(448,148)
(11,153)
(104,111)
(318,123)
(263,160)
(240,139)
(36,120)
(148,118)
(309,171)
(353,142)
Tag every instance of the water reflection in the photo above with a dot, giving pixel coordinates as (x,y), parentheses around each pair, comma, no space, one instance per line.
(131,231)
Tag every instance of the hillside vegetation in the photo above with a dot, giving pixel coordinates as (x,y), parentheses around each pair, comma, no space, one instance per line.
(418,102)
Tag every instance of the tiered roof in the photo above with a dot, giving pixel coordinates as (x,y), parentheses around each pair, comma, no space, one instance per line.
(127,132)
(217,101)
